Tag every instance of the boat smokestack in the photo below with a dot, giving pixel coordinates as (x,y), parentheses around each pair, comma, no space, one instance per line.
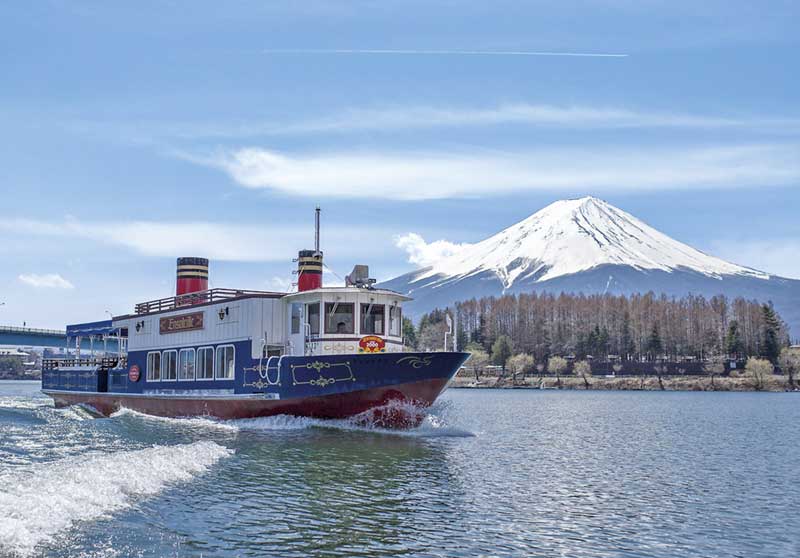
(192,275)
(309,262)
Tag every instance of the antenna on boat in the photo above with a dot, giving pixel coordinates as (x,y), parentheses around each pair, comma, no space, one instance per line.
(316,229)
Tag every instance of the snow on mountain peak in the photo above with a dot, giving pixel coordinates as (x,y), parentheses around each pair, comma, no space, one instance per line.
(569,236)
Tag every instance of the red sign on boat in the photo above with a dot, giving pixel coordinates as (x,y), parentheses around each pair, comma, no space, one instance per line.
(133,373)
(371,344)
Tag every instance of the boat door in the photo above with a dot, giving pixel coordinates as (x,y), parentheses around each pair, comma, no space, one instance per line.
(297,329)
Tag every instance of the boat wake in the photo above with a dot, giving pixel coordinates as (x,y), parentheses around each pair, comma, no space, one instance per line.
(396,418)
(41,501)
(199,422)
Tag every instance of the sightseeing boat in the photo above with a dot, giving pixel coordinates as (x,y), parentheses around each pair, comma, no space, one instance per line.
(325,352)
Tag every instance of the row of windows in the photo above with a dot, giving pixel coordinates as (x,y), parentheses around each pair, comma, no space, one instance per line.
(340,318)
(188,364)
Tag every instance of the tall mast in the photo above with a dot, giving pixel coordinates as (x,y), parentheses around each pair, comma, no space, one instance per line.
(316,230)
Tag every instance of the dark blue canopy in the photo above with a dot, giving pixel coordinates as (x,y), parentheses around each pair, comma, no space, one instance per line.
(90,328)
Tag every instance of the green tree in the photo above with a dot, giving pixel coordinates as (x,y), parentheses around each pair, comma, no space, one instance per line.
(771,346)
(602,343)
(502,350)
(789,362)
(734,345)
(409,333)
(654,345)
(627,347)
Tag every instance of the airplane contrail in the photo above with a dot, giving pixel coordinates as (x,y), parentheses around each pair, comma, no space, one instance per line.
(445,52)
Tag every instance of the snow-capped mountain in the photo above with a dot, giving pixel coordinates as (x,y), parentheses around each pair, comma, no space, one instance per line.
(588,245)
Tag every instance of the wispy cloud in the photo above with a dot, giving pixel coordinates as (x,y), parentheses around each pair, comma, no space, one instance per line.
(219,241)
(422,52)
(536,115)
(422,253)
(45,281)
(424,176)
(417,117)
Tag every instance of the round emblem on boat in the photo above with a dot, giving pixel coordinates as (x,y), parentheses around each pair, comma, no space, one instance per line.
(371,344)
(133,373)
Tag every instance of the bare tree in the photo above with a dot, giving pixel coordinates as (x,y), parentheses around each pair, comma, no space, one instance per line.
(715,367)
(557,365)
(583,369)
(521,363)
(478,361)
(660,369)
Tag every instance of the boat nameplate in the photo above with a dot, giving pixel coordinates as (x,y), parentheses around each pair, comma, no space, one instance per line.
(184,322)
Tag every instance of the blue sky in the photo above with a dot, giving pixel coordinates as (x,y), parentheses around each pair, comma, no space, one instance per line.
(135,133)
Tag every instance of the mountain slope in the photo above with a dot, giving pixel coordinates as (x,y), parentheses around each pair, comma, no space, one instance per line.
(587,245)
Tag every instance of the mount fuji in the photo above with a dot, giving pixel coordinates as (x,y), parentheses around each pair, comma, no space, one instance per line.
(587,245)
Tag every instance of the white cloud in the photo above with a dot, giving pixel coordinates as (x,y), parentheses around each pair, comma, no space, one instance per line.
(279,284)
(218,241)
(46,281)
(422,253)
(423,176)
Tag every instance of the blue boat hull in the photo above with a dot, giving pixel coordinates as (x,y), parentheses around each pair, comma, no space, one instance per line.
(325,387)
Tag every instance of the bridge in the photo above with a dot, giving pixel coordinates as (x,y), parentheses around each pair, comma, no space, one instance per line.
(52,338)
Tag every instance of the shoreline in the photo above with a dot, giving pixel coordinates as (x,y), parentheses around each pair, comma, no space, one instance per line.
(775,384)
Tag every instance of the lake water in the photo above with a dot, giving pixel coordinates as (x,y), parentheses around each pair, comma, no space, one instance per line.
(490,473)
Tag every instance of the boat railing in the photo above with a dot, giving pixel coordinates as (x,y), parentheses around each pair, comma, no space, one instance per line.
(200,297)
(101,362)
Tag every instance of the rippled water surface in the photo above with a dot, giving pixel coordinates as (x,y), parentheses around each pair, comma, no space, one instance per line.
(490,473)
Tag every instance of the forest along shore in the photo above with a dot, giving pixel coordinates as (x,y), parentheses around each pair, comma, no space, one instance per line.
(774,383)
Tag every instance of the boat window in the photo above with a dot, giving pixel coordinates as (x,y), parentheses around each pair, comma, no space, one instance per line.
(395,321)
(225,362)
(339,317)
(169,365)
(372,319)
(186,364)
(313,318)
(153,367)
(205,363)
(297,314)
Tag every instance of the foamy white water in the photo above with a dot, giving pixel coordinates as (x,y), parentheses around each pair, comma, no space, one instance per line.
(43,500)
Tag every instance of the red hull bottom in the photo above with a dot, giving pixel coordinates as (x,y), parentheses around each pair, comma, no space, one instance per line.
(374,405)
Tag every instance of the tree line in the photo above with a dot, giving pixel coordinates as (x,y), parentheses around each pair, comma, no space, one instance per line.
(642,327)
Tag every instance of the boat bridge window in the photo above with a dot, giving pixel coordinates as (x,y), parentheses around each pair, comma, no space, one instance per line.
(186,364)
(372,319)
(153,367)
(313,318)
(339,317)
(225,362)
(395,321)
(205,363)
(297,315)
(169,365)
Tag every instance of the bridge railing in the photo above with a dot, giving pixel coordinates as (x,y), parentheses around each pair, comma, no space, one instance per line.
(34,330)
